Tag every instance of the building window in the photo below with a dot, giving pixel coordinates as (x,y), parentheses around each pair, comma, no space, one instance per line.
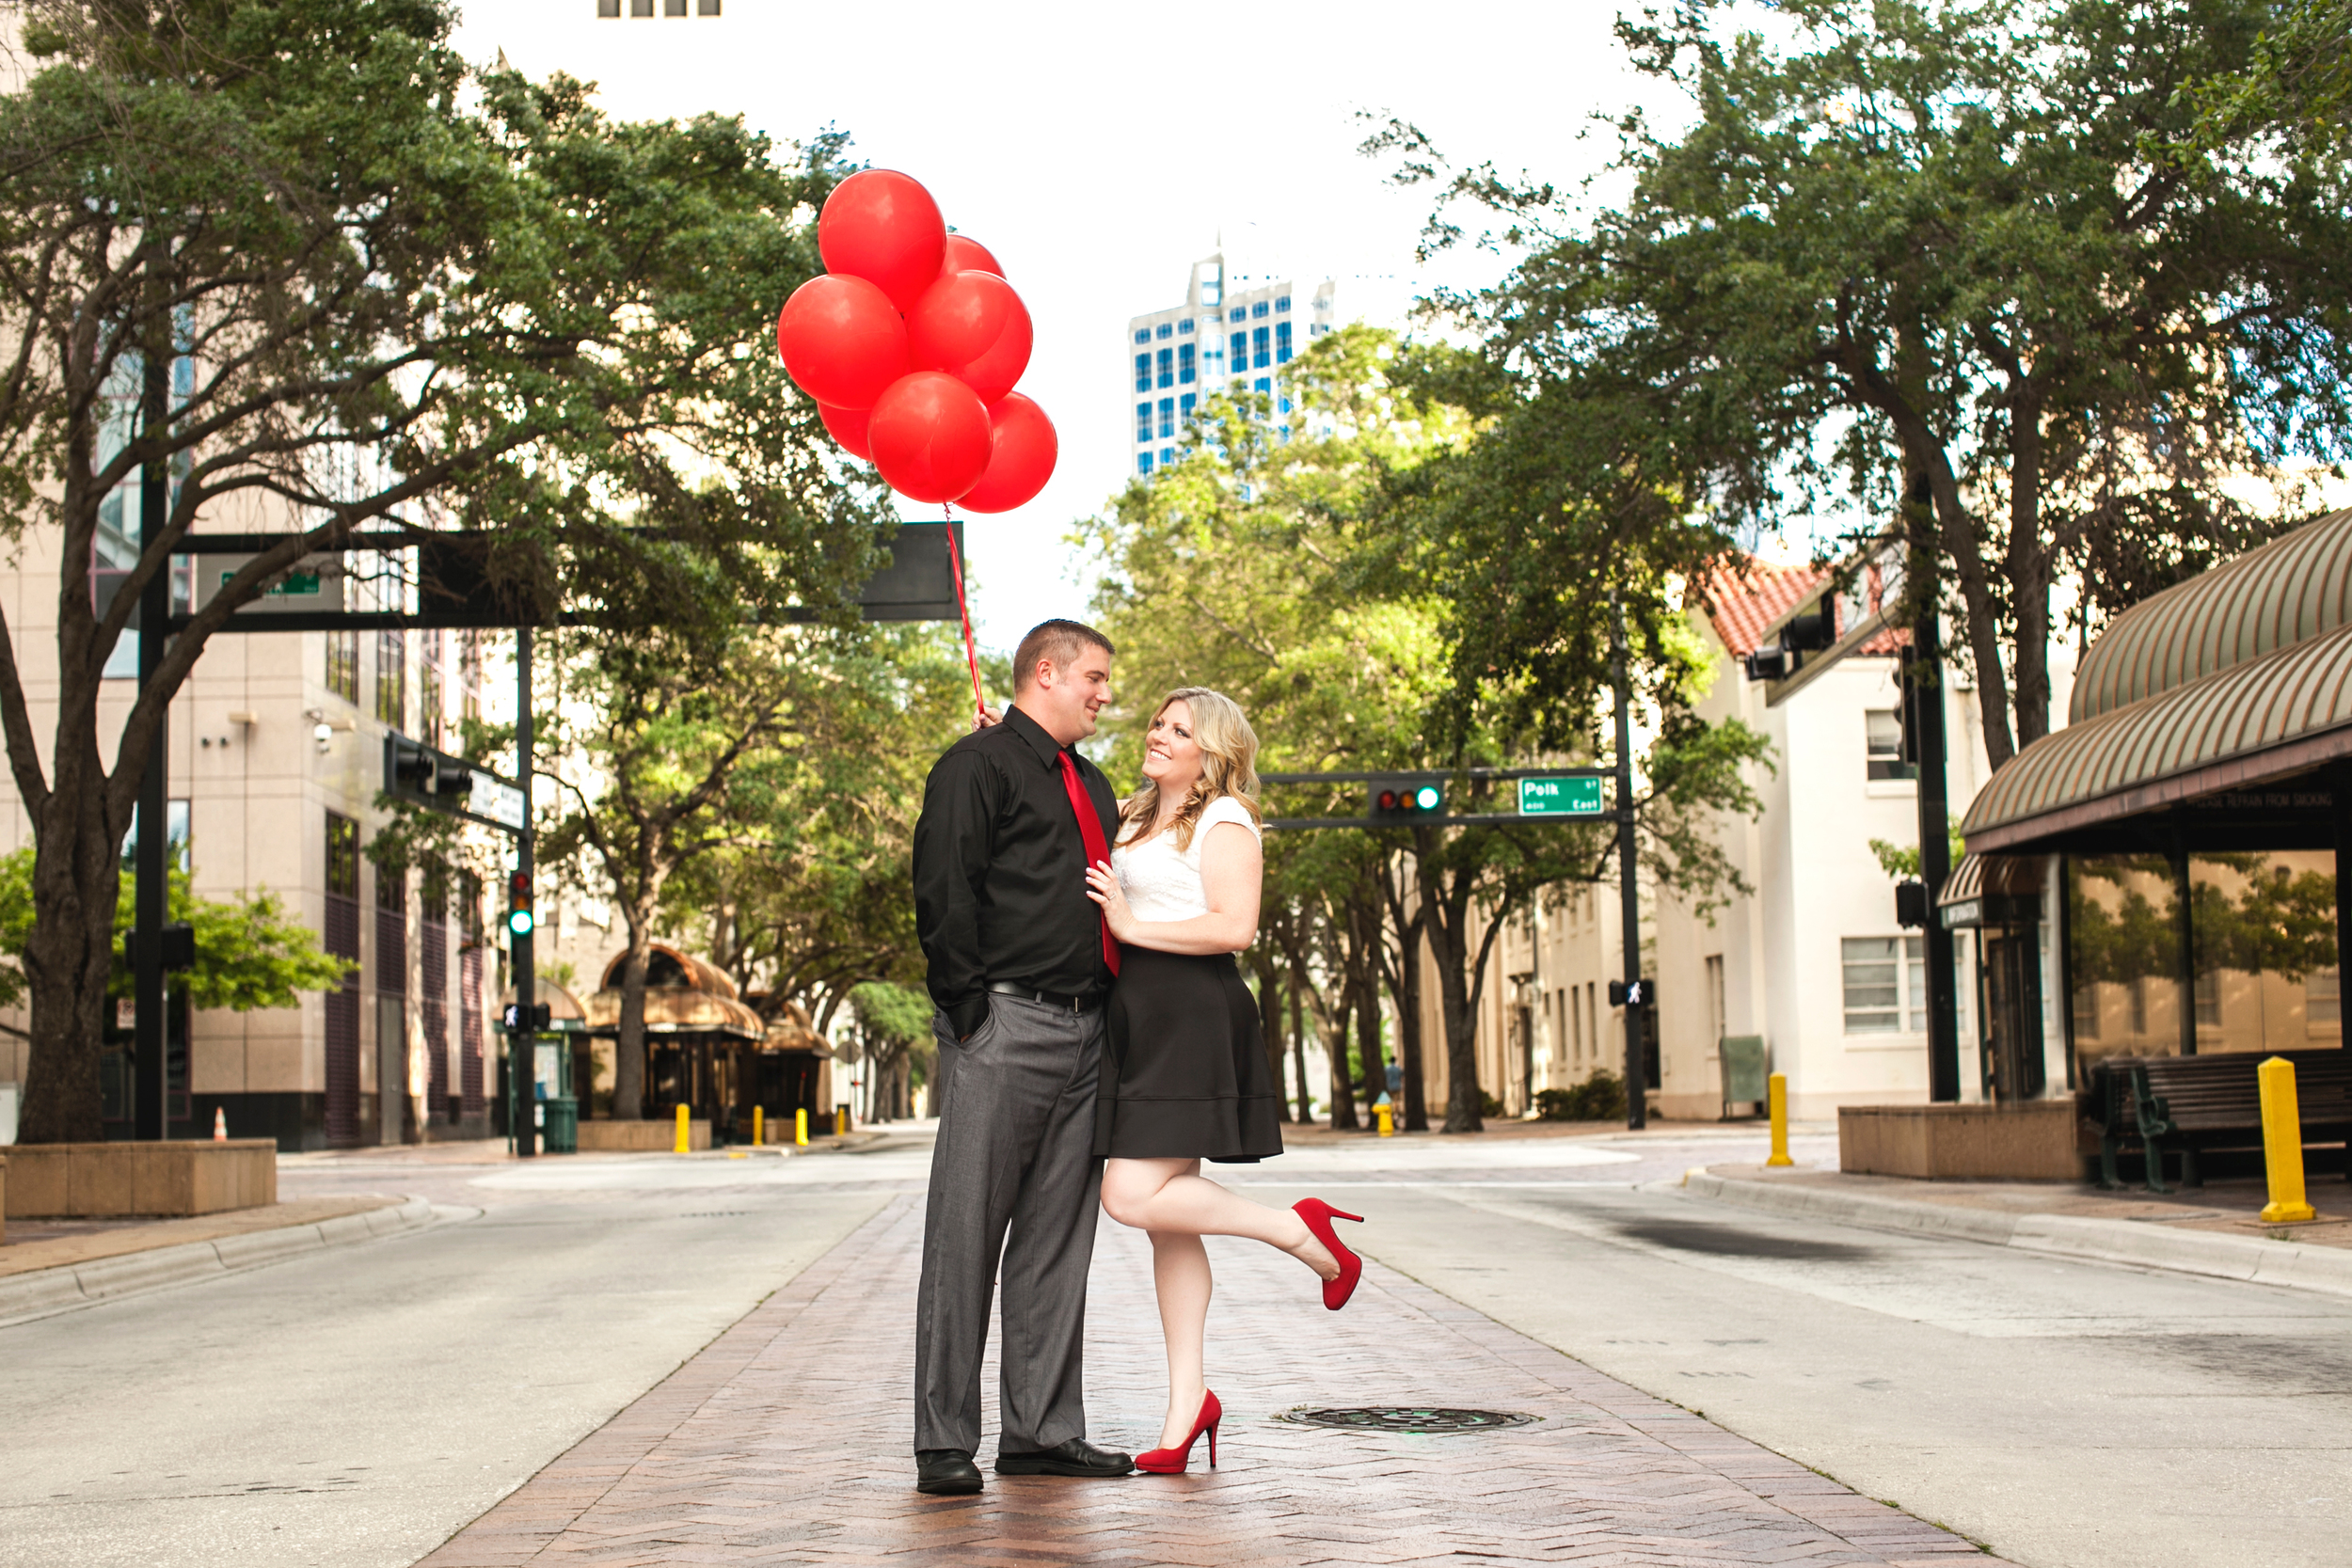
(343,656)
(2323,1000)
(1143,334)
(1167,455)
(1282,302)
(608,7)
(1184,364)
(1163,331)
(1237,313)
(1143,422)
(1184,405)
(1143,463)
(1143,373)
(429,700)
(2086,1011)
(1887,984)
(707,8)
(1263,384)
(1284,405)
(672,7)
(1883,729)
(1167,421)
(1281,342)
(1184,326)
(640,7)
(1258,309)
(343,857)
(1168,366)
(391,677)
(1261,355)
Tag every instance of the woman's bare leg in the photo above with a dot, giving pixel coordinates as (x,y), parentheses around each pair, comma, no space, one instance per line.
(1180,1274)
(1173,1196)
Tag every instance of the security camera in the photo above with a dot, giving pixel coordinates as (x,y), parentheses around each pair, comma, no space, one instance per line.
(324,735)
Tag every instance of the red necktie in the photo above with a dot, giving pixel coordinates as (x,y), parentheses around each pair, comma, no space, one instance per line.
(1089,829)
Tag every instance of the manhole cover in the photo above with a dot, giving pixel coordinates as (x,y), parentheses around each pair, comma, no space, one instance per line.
(1389,1417)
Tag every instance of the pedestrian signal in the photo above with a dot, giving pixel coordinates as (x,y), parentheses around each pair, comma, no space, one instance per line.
(519,1017)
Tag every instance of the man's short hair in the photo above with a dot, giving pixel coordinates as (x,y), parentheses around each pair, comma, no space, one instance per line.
(1055,641)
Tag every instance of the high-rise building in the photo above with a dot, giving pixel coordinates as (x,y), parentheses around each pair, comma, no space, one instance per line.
(1218,339)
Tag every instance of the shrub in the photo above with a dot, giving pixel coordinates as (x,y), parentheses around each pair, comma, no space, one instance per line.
(1599,1098)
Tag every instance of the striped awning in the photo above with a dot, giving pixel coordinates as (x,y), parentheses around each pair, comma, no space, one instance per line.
(2266,718)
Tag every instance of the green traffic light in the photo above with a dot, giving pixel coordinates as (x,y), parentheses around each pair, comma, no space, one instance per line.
(519,923)
(1427,796)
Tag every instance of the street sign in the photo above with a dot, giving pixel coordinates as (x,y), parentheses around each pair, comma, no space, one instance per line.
(1558,797)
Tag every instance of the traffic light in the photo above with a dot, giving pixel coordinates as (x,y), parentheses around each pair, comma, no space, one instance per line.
(519,920)
(419,772)
(1406,797)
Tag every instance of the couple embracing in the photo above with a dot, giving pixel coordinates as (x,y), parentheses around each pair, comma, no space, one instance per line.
(1096,1043)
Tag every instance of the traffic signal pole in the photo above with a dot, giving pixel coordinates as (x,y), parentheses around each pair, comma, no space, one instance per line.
(522,1043)
(1923,689)
(1636,1074)
(152,855)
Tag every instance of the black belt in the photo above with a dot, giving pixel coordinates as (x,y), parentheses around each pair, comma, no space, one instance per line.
(1046,998)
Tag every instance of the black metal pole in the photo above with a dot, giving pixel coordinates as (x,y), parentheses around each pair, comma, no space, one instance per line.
(151,857)
(1636,1072)
(522,1045)
(1924,690)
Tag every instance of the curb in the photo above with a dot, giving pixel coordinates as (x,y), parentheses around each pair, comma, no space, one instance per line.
(2135,1243)
(45,1292)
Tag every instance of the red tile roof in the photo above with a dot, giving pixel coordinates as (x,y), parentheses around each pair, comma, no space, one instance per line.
(1742,599)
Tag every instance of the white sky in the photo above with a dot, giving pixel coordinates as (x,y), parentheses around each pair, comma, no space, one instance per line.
(1099,150)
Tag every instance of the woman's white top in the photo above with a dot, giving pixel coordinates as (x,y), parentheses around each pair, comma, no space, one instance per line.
(1163,882)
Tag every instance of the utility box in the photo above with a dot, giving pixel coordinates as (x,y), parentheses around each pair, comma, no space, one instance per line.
(1744,1061)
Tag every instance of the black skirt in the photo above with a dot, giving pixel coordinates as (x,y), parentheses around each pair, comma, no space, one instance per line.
(1188,1076)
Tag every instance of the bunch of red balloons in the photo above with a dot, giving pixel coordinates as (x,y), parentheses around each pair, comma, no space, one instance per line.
(911,343)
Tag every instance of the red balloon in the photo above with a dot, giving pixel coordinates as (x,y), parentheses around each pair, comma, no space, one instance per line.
(883,227)
(972,325)
(930,437)
(848,426)
(966,255)
(842,341)
(1021,450)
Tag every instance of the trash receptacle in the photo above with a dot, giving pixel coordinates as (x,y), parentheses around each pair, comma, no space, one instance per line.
(1745,1062)
(560,1124)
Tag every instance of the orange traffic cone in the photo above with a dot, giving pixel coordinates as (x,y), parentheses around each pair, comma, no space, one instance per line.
(220,1124)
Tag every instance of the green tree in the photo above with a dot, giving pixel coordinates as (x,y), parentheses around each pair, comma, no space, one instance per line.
(249,955)
(894,1030)
(1931,250)
(291,260)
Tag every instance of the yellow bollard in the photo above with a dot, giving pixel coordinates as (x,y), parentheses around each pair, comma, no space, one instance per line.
(759,1127)
(2283,1144)
(840,1120)
(685,1136)
(1777,1096)
(1387,1118)
(799,1127)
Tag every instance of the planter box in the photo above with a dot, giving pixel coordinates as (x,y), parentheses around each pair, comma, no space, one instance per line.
(2033,1142)
(641,1137)
(116,1180)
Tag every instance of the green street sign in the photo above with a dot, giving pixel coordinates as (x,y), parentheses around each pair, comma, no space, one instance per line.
(1560,797)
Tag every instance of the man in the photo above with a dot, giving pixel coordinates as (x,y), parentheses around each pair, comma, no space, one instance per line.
(1019,963)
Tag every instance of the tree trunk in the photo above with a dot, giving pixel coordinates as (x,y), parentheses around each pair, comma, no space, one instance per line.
(1269,1014)
(1416,1107)
(1298,1054)
(1368,1049)
(77,878)
(628,1045)
(1343,1095)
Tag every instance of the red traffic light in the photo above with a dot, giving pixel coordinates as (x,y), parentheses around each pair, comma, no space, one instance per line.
(518,885)
(1390,800)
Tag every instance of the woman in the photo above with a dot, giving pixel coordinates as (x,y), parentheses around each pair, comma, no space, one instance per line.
(1181,894)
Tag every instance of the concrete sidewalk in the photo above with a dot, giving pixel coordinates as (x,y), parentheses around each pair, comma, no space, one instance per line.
(786,1442)
(2211,1230)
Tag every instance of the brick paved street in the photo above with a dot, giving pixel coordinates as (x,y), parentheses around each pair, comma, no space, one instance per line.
(786,1442)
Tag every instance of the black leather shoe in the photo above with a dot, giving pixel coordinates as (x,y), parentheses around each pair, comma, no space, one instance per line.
(1076,1457)
(946,1473)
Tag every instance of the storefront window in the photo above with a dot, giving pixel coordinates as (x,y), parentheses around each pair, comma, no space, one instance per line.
(2122,941)
(2264,926)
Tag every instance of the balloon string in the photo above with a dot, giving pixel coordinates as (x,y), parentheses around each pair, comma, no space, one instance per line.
(955,559)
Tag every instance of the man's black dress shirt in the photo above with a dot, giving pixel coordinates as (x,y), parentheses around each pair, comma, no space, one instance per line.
(1000,888)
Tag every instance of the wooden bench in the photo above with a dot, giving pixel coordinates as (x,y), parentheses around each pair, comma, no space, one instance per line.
(2189,1104)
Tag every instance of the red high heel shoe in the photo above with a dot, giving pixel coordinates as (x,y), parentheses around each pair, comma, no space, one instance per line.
(1171,1462)
(1319,1215)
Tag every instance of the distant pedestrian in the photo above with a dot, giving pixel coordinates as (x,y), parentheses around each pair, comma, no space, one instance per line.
(1019,963)
(1190,1079)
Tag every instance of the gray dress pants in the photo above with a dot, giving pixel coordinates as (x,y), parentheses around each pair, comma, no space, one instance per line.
(1015,1151)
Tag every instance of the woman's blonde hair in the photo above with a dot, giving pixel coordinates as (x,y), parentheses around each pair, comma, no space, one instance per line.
(1228,766)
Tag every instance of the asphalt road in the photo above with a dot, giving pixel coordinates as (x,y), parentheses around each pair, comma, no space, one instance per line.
(354,1407)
